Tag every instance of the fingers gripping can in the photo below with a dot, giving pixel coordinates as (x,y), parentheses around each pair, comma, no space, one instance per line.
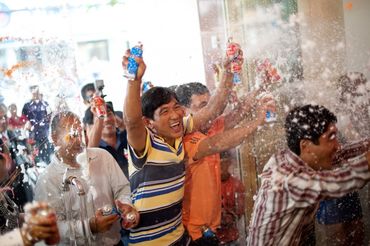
(108,210)
(41,213)
(132,65)
(100,107)
(235,56)
(130,217)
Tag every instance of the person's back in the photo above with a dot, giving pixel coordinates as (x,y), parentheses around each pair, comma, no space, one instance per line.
(295,180)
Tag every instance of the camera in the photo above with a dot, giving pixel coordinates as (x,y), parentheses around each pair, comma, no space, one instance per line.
(99,86)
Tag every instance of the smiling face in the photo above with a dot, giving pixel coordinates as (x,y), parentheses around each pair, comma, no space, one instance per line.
(167,121)
(109,123)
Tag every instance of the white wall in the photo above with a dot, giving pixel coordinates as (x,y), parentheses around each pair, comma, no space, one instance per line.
(357,31)
(169,30)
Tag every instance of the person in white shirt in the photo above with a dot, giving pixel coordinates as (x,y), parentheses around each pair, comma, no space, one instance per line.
(101,179)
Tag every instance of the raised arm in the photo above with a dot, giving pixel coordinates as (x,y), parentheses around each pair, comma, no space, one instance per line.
(233,137)
(136,132)
(217,102)
(307,188)
(244,106)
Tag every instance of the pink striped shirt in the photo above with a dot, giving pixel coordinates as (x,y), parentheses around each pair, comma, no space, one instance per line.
(290,193)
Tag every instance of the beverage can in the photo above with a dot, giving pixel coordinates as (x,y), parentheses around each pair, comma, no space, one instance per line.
(42,211)
(132,65)
(108,210)
(130,217)
(270,117)
(101,110)
(207,232)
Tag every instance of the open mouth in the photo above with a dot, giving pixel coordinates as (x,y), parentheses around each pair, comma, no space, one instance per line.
(176,126)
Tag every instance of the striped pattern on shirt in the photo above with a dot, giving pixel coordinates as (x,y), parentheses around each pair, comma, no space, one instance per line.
(290,192)
(157,187)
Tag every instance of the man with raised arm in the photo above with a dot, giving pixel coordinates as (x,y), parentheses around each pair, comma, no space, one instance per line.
(155,126)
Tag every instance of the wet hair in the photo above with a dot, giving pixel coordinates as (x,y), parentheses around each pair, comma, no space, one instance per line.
(173,87)
(307,122)
(154,98)
(54,125)
(85,89)
(186,91)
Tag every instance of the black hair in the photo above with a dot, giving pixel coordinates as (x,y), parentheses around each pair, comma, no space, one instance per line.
(307,122)
(86,88)
(154,98)
(186,91)
(172,87)
(54,125)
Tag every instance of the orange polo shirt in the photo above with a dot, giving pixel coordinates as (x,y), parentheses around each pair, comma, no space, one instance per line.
(202,198)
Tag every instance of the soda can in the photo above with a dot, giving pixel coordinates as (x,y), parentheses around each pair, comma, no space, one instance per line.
(101,110)
(108,210)
(270,117)
(207,232)
(130,217)
(41,212)
(132,65)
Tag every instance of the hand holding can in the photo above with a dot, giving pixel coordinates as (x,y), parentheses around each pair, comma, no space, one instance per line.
(99,106)
(130,216)
(40,224)
(132,66)
(235,56)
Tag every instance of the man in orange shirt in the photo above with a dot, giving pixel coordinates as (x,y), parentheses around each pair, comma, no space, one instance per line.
(202,213)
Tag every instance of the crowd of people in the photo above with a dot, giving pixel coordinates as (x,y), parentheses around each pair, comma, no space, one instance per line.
(158,172)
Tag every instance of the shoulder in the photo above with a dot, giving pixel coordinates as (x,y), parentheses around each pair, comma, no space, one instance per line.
(97,154)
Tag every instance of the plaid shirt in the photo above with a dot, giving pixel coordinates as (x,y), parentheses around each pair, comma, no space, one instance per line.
(290,193)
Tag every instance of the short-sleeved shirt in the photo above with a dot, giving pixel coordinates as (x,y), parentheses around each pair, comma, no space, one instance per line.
(119,151)
(202,199)
(37,112)
(157,186)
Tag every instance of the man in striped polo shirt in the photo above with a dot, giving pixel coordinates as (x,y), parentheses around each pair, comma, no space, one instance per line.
(295,180)
(155,127)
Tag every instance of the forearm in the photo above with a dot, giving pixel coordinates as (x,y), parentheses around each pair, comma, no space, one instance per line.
(216,104)
(226,140)
(132,106)
(307,188)
(95,132)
